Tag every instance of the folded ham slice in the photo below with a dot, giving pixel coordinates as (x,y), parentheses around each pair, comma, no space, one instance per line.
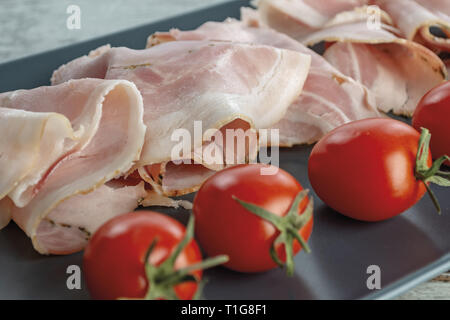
(414,19)
(68,226)
(220,84)
(298,18)
(382,62)
(376,57)
(39,138)
(91,131)
(329,99)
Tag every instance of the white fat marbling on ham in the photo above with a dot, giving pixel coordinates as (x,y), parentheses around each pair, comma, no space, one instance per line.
(328,99)
(213,82)
(111,143)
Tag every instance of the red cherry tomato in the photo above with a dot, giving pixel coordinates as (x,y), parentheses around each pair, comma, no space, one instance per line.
(433,113)
(367,169)
(115,258)
(226,226)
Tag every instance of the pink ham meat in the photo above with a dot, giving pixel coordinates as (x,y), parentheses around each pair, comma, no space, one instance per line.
(375,56)
(91,131)
(329,99)
(414,19)
(220,84)
(382,62)
(298,18)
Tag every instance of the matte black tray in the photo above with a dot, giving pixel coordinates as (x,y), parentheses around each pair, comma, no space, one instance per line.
(409,249)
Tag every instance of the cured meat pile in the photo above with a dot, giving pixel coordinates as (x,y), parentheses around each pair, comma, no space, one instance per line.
(395,61)
(99,141)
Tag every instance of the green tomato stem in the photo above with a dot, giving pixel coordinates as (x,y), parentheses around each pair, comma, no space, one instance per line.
(288,226)
(431,174)
(163,278)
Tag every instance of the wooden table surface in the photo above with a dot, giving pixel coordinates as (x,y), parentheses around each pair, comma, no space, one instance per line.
(29,26)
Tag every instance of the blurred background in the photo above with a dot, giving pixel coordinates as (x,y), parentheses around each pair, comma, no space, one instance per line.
(30,26)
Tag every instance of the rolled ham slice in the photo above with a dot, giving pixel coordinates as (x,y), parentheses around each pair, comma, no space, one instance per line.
(91,133)
(220,84)
(328,100)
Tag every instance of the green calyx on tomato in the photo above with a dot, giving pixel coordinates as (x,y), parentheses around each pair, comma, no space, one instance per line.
(288,226)
(431,174)
(163,278)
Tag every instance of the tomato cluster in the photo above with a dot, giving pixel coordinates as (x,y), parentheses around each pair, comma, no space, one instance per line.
(369,170)
(250,222)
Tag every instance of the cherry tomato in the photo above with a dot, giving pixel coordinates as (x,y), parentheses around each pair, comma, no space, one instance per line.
(115,263)
(367,169)
(227,223)
(433,113)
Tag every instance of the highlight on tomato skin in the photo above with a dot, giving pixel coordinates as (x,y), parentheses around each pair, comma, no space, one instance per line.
(227,210)
(144,255)
(372,170)
(433,113)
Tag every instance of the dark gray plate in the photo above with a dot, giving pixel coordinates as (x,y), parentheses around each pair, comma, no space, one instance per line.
(409,249)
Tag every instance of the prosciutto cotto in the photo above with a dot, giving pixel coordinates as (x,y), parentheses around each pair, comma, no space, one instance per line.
(62,147)
(415,18)
(298,18)
(376,57)
(382,61)
(223,85)
(328,99)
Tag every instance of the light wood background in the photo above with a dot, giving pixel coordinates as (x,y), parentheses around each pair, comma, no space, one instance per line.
(30,26)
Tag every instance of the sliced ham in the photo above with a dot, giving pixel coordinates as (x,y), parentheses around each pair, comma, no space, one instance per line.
(375,56)
(107,117)
(439,7)
(69,226)
(69,118)
(352,32)
(329,99)
(415,18)
(298,18)
(382,62)
(181,82)
(39,140)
